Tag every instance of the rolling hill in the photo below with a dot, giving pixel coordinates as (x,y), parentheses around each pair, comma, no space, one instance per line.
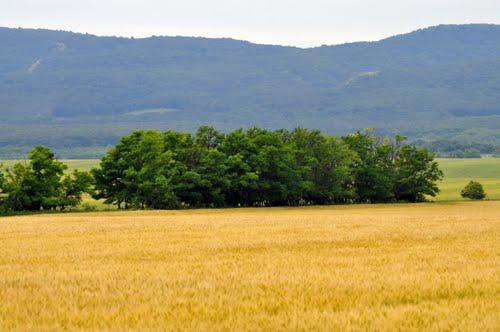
(79,93)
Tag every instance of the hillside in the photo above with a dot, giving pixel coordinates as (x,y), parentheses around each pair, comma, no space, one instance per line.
(78,93)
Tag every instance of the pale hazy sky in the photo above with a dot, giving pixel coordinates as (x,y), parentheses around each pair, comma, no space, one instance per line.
(288,22)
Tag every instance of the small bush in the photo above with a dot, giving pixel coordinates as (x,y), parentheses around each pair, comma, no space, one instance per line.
(474,190)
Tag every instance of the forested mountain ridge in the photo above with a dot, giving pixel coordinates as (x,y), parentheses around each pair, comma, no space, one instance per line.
(69,90)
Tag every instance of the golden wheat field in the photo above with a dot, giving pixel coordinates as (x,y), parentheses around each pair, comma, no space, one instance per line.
(381,267)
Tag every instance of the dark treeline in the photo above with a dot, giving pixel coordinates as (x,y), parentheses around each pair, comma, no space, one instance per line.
(258,167)
(455,149)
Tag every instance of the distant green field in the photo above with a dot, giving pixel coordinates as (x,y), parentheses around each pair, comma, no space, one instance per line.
(458,172)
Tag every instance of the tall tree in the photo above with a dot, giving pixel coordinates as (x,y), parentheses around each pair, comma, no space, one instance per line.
(417,174)
(373,181)
(240,171)
(137,173)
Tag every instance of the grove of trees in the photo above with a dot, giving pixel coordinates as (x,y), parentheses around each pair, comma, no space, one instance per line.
(254,167)
(259,167)
(40,184)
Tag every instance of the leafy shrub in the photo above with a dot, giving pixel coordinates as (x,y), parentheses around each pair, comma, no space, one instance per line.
(474,190)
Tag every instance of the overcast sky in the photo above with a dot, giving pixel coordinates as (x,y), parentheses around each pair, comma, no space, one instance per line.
(287,22)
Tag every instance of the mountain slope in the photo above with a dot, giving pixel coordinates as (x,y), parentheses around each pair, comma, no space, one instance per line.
(66,89)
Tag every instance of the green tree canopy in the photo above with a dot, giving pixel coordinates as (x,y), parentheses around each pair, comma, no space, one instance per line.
(259,167)
(416,174)
(254,167)
(473,190)
(40,184)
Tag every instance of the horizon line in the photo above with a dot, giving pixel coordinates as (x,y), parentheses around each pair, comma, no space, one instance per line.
(244,40)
